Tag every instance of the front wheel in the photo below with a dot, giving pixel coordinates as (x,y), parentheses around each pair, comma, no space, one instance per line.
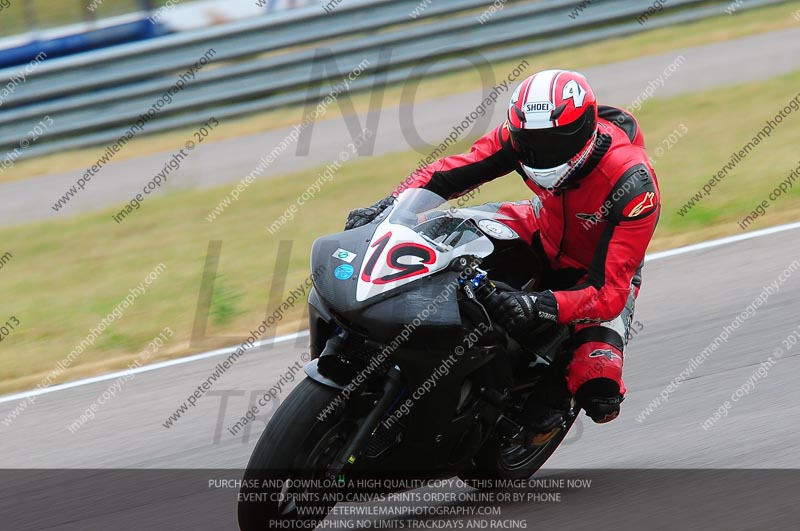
(285,473)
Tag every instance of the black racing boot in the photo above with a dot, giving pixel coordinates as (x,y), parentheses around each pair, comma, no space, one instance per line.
(545,409)
(600,399)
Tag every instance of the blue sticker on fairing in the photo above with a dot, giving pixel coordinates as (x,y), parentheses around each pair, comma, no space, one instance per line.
(343,272)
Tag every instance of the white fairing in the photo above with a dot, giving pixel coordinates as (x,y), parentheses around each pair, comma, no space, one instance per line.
(414,255)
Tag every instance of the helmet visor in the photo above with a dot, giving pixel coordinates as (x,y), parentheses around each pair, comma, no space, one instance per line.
(553,146)
(556,176)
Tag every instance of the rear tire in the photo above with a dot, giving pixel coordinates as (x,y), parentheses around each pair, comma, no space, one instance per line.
(295,444)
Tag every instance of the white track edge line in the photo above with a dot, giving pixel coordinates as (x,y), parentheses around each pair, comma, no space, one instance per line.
(721,241)
(710,244)
(148,368)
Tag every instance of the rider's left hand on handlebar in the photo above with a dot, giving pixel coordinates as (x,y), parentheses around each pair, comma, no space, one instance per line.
(362,216)
(515,309)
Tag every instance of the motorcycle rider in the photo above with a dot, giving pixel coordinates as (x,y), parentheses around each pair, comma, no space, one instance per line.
(595,209)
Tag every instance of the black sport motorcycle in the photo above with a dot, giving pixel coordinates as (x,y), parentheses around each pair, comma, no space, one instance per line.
(409,377)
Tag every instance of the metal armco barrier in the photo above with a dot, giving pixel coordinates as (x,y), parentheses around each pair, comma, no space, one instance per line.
(297,56)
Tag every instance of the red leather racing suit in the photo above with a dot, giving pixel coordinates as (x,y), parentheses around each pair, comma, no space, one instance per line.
(595,230)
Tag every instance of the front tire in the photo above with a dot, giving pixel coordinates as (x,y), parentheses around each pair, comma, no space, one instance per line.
(296,444)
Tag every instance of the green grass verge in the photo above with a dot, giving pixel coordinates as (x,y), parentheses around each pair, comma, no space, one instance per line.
(66,276)
(660,40)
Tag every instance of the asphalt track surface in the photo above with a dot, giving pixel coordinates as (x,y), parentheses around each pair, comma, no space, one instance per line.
(214,163)
(686,301)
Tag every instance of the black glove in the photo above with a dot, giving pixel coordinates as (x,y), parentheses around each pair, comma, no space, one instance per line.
(362,216)
(516,309)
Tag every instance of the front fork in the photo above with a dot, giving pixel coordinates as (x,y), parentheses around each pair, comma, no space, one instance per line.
(349,455)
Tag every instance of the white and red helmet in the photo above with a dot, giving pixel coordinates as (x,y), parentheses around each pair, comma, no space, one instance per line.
(553,124)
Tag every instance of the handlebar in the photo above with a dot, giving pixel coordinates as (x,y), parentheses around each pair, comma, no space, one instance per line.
(477,287)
